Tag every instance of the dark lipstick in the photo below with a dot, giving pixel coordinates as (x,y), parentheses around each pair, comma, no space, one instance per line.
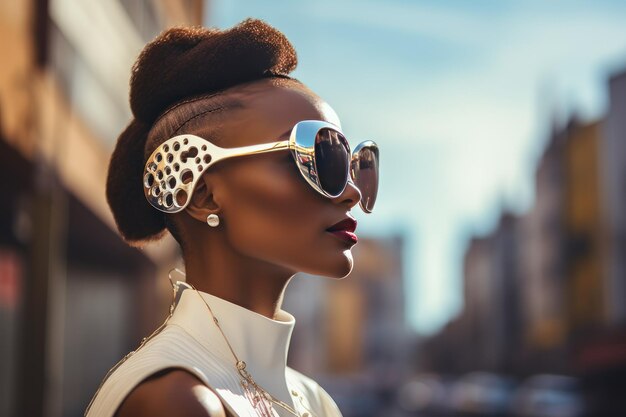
(344,230)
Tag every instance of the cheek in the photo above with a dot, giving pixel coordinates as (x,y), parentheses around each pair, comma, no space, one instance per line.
(272,212)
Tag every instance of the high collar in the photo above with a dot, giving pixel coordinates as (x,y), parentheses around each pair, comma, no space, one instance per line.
(262,343)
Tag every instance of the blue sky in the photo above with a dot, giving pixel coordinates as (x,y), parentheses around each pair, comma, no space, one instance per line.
(459,96)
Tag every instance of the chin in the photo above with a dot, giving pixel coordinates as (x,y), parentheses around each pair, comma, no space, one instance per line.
(342,266)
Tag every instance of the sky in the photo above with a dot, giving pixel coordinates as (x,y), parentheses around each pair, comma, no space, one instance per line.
(459,96)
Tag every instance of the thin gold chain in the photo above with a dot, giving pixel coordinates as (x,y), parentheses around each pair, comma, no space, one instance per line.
(241,365)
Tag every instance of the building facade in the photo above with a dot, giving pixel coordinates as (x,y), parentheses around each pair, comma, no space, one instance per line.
(74,297)
(613,174)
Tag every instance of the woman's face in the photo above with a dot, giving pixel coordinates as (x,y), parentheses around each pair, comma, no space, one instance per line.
(267,209)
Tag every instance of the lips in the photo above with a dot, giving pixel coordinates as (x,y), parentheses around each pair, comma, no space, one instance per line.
(348,225)
(344,230)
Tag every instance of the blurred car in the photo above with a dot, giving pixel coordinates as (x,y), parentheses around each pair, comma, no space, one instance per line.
(481,394)
(548,395)
(425,394)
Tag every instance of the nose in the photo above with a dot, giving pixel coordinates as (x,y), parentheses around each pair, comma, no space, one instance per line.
(350,196)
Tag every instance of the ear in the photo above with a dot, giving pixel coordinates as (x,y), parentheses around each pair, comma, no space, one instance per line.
(203,201)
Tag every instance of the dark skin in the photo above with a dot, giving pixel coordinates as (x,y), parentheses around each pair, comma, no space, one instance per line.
(272,225)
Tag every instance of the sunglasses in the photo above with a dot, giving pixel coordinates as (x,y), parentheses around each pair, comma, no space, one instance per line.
(320,150)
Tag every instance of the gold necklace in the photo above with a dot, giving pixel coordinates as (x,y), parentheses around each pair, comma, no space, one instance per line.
(260,399)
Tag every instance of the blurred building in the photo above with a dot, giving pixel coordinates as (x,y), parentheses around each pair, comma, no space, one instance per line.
(534,286)
(600,349)
(492,300)
(542,265)
(351,334)
(486,335)
(478,287)
(515,314)
(613,152)
(74,298)
(585,250)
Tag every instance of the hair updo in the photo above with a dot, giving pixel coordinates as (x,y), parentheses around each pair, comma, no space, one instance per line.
(179,64)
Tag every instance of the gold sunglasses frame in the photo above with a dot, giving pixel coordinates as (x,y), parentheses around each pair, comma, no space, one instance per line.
(175,166)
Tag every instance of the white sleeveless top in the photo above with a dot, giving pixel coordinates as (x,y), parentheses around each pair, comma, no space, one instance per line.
(189,339)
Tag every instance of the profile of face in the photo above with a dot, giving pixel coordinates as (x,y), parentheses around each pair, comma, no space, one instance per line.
(267,211)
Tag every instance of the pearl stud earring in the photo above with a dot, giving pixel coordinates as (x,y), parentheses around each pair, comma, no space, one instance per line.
(213,220)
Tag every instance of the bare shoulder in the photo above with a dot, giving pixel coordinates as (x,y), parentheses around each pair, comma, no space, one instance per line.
(172,392)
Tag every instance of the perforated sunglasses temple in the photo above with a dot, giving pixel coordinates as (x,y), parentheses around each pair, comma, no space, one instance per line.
(175,166)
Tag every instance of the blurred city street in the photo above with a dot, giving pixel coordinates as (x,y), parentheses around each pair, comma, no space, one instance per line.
(490,282)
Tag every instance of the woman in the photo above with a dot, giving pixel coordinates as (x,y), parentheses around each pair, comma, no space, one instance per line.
(245,225)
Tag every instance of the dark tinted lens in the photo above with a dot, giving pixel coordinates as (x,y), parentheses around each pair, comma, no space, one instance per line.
(332,156)
(365,173)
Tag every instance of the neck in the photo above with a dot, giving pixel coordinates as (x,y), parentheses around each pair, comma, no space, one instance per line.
(250,283)
(239,334)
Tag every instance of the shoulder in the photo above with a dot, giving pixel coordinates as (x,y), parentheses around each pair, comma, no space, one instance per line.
(314,393)
(305,383)
(171,392)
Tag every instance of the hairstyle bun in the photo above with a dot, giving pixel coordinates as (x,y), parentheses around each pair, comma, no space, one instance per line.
(186,61)
(135,218)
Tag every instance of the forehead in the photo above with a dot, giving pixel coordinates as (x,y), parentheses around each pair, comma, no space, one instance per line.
(270,108)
